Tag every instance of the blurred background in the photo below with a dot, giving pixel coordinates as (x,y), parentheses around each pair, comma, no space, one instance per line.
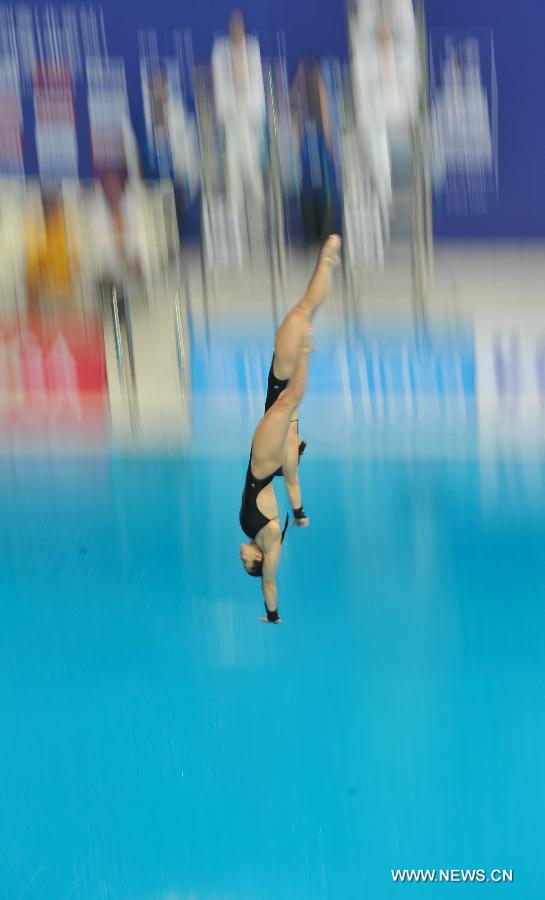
(168,173)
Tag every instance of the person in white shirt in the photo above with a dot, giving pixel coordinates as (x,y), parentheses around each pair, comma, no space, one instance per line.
(239,96)
(461,127)
(174,135)
(370,116)
(390,26)
(117,229)
(13,203)
(398,49)
(385,78)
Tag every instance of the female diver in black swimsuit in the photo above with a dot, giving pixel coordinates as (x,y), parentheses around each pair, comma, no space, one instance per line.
(259,510)
(276,448)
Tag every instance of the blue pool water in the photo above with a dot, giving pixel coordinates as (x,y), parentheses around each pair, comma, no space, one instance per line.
(159,743)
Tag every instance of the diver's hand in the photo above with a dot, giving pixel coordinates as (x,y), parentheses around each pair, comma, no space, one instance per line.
(300,523)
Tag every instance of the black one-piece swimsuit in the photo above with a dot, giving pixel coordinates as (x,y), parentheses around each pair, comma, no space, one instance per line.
(252,519)
(275,386)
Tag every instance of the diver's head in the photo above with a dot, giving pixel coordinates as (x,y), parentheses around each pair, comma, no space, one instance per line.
(252,559)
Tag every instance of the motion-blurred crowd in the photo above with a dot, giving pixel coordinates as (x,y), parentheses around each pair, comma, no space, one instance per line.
(244,132)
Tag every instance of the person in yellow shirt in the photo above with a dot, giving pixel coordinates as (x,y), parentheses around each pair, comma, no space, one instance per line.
(51,255)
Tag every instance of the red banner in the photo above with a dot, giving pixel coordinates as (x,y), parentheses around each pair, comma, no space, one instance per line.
(53,375)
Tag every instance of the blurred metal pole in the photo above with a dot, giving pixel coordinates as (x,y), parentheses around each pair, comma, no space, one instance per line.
(207,279)
(182,320)
(419,287)
(184,363)
(422,224)
(348,255)
(123,336)
(204,126)
(277,246)
(426,137)
(117,338)
(283,89)
(349,279)
(184,369)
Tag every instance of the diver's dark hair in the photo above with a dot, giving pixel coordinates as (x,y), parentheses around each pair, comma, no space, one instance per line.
(257,569)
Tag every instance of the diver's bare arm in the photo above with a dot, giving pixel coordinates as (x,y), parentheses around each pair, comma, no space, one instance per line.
(290,467)
(293,489)
(271,558)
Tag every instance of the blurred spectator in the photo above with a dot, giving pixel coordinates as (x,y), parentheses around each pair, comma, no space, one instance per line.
(311,114)
(386,83)
(461,126)
(399,63)
(117,229)
(239,95)
(51,253)
(174,139)
(130,147)
(12,242)
(370,114)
